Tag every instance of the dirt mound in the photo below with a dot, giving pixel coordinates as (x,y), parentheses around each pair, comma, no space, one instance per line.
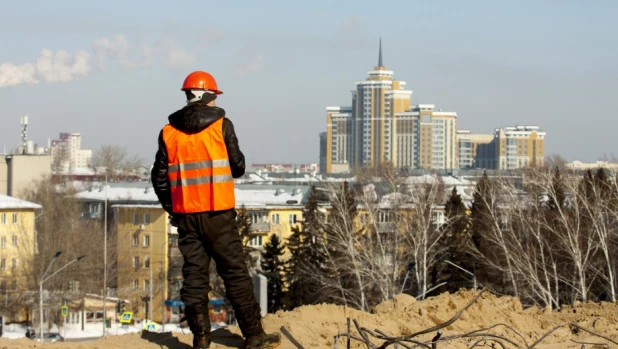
(316,326)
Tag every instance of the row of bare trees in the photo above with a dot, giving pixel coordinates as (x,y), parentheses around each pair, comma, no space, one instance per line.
(546,238)
(554,239)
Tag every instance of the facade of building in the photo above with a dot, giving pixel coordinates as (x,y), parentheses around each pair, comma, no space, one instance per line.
(17,250)
(67,152)
(519,147)
(475,150)
(143,233)
(19,172)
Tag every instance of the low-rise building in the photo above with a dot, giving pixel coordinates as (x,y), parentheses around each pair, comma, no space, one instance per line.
(17,251)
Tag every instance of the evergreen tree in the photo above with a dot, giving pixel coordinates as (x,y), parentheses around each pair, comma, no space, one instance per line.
(480,209)
(243,223)
(305,244)
(456,215)
(273,268)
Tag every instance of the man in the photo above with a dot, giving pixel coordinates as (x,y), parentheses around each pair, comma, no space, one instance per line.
(193,173)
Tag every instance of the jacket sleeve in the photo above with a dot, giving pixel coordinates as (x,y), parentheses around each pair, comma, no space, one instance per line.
(237,159)
(159,178)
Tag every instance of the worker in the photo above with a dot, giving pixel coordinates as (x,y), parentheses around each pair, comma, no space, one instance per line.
(193,173)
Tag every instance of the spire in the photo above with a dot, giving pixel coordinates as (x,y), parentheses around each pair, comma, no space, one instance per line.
(380,55)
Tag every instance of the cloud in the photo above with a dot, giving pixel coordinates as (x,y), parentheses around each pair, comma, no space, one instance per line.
(118,48)
(174,55)
(255,65)
(62,66)
(50,67)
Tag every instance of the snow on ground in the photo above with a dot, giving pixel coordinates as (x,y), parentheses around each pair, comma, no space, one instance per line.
(92,330)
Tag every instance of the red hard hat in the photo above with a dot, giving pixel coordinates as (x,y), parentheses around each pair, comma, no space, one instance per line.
(200,80)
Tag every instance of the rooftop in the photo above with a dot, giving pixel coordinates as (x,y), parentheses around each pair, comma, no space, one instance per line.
(8,202)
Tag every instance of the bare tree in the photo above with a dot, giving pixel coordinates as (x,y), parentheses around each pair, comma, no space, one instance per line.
(116,161)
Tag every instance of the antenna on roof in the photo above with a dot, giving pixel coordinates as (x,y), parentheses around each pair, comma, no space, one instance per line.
(24,134)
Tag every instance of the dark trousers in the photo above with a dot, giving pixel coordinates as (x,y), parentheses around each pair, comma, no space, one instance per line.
(207,235)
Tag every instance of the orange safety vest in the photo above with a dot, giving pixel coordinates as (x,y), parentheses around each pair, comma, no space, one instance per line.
(199,170)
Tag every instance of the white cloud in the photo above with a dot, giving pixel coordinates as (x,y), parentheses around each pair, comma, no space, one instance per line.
(62,66)
(174,55)
(50,67)
(120,49)
(255,65)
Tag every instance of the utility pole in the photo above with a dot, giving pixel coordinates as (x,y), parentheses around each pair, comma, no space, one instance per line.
(105,261)
(150,303)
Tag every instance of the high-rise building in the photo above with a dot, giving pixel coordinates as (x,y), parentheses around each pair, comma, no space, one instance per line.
(476,150)
(381,126)
(519,147)
(426,138)
(67,152)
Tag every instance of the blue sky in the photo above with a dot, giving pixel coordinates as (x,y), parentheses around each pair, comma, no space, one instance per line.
(280,63)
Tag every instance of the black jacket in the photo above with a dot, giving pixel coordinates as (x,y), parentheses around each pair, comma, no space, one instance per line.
(194,118)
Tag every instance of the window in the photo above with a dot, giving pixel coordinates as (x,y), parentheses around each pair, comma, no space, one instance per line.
(135,284)
(14,264)
(136,262)
(14,285)
(147,262)
(256,241)
(146,285)
(135,239)
(3,242)
(2,264)
(14,241)
(3,286)
(3,218)
(293,219)
(136,218)
(146,218)
(146,240)
(14,218)
(275,218)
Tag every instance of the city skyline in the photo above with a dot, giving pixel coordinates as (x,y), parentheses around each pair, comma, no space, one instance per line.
(120,77)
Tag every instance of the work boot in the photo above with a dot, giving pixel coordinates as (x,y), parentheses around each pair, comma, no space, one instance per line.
(250,323)
(199,323)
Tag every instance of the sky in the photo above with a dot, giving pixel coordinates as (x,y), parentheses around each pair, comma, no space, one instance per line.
(112,70)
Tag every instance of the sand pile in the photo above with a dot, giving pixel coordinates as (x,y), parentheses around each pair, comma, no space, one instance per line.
(316,326)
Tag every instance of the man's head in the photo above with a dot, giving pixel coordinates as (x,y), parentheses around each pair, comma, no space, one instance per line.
(200,86)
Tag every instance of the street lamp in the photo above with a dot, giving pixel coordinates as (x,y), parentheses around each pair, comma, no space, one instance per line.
(43,279)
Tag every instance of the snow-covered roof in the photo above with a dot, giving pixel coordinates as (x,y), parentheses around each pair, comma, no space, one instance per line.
(248,195)
(271,196)
(447,180)
(143,194)
(8,202)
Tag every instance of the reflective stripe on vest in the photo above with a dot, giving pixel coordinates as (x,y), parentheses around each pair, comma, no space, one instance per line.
(199,170)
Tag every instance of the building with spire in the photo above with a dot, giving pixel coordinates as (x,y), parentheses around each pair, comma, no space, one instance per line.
(382,126)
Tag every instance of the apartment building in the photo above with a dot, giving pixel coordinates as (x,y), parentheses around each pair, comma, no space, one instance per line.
(17,251)
(475,150)
(519,147)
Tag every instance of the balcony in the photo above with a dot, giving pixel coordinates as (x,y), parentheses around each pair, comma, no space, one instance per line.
(386,227)
(92,215)
(260,227)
